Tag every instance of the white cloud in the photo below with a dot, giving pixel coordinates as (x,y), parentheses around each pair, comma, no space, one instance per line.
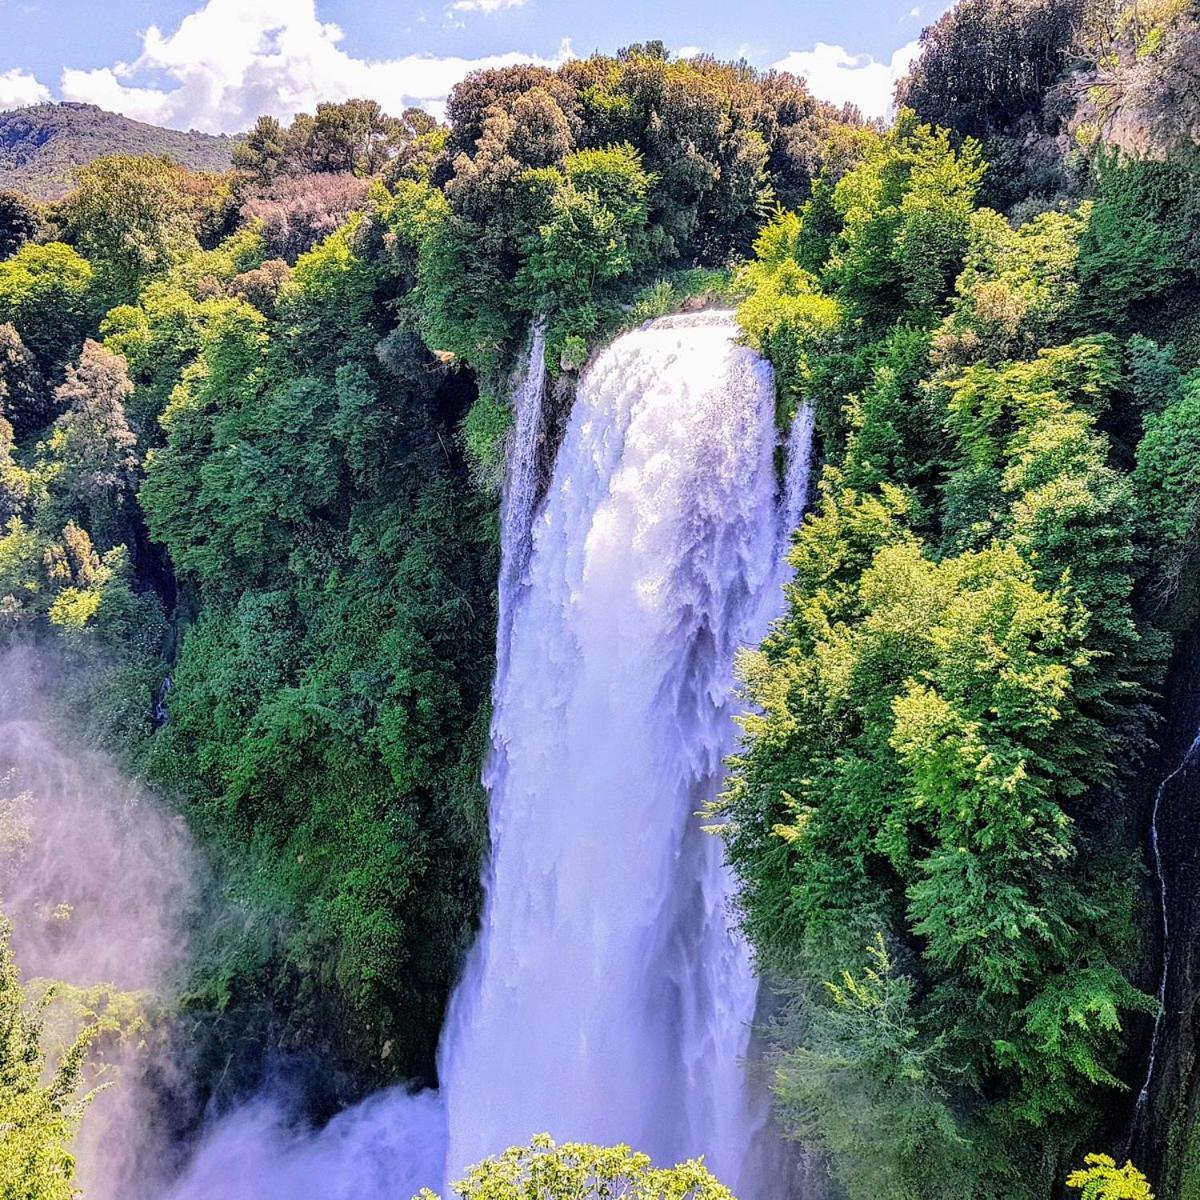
(484,6)
(836,75)
(231,60)
(688,52)
(18,88)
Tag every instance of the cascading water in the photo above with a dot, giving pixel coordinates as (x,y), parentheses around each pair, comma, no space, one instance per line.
(520,490)
(606,999)
(1164,901)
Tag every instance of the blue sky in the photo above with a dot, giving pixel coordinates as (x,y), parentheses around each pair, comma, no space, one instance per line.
(214,64)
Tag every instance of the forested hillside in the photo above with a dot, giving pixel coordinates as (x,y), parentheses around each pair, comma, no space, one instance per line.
(253,426)
(42,146)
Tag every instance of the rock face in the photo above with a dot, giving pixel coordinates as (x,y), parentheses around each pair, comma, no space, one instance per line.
(1165,1140)
(41,146)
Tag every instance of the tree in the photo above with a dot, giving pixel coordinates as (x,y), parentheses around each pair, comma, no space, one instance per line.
(594,232)
(576,1171)
(1167,477)
(986,65)
(356,137)
(92,446)
(14,482)
(939,724)
(263,151)
(134,217)
(20,221)
(1101,1179)
(297,213)
(24,397)
(906,211)
(47,293)
(482,93)
(39,1113)
(862,1087)
(1019,289)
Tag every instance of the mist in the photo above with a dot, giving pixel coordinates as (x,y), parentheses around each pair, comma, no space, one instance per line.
(98,879)
(386,1148)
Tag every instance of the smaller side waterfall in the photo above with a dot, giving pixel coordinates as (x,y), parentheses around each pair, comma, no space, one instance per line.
(1164,901)
(797,472)
(520,488)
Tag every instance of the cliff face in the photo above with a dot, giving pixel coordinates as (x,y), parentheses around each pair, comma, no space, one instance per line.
(1166,1138)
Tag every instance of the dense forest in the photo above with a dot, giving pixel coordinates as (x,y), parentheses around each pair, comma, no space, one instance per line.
(253,426)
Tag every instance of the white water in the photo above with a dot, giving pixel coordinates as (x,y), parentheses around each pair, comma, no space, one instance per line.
(520,490)
(606,999)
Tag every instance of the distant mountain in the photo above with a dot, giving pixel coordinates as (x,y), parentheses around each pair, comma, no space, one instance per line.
(41,146)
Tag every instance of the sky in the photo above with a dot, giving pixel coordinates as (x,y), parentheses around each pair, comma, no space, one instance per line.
(215,65)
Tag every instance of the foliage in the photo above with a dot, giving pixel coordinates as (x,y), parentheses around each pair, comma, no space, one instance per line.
(24,397)
(91,450)
(133,218)
(786,317)
(575,1171)
(47,295)
(1139,249)
(1101,1179)
(1019,289)
(353,137)
(297,213)
(859,1082)
(938,726)
(1168,480)
(170,327)
(272,480)
(325,704)
(39,1110)
(20,221)
(905,210)
(986,67)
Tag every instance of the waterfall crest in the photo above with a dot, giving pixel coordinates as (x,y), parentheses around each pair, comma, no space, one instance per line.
(607,998)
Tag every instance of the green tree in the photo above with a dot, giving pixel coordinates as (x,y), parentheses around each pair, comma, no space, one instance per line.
(134,217)
(1167,477)
(91,446)
(355,136)
(14,481)
(24,397)
(263,150)
(576,1171)
(593,234)
(906,212)
(20,221)
(47,294)
(39,1109)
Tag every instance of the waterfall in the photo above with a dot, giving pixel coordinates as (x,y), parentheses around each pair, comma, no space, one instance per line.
(1165,926)
(797,471)
(607,998)
(520,488)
